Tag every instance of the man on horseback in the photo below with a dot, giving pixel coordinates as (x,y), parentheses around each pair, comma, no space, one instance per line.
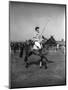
(36,48)
(38,42)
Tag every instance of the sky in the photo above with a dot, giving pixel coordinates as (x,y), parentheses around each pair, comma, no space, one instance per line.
(24,17)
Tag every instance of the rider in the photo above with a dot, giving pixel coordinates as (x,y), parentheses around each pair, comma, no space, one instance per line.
(37,43)
(37,39)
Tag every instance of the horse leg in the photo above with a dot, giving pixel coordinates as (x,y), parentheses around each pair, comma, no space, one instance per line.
(45,65)
(42,62)
(26,58)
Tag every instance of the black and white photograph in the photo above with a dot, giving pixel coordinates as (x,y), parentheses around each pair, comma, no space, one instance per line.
(37,44)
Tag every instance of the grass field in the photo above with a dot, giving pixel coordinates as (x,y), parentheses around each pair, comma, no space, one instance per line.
(36,76)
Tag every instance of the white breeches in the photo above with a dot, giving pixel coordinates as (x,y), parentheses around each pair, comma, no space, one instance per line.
(37,46)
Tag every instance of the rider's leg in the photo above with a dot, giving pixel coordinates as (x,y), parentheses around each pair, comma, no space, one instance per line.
(45,65)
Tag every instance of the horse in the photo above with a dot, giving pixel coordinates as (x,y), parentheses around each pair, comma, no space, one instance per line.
(29,50)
